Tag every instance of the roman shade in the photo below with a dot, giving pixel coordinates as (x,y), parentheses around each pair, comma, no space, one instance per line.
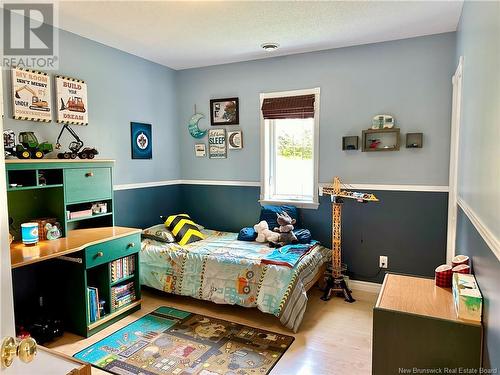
(288,107)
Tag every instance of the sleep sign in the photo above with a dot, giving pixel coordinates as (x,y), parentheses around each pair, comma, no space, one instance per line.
(217,144)
(217,141)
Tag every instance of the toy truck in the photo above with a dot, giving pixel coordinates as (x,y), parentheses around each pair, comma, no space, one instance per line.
(28,146)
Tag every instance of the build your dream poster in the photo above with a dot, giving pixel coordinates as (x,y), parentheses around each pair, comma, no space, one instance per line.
(72,105)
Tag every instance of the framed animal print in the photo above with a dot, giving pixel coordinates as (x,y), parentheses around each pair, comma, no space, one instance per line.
(224,111)
(141,140)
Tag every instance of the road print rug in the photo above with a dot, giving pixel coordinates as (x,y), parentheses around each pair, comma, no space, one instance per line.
(171,341)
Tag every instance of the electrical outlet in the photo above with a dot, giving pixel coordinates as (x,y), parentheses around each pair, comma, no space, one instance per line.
(383,261)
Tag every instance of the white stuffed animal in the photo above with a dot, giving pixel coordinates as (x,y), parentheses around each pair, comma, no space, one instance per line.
(264,234)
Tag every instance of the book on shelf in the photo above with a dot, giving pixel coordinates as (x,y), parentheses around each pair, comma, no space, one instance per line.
(122,268)
(93,304)
(122,294)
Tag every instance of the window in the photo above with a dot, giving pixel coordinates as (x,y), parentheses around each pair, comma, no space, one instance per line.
(290,143)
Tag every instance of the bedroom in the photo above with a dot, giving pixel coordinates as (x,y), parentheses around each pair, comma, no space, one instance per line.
(152,68)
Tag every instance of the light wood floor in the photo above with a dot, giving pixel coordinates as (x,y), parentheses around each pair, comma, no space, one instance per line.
(334,338)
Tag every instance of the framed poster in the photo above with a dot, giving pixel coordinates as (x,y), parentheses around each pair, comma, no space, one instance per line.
(235,140)
(200,150)
(217,144)
(224,111)
(141,140)
(71,101)
(31,95)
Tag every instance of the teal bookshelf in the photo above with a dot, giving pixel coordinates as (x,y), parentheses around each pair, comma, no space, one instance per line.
(50,188)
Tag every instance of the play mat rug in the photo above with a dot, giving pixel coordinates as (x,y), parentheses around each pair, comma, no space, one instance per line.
(171,341)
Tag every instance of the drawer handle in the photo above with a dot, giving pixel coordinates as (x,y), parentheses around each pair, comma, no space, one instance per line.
(130,245)
(89,174)
(99,254)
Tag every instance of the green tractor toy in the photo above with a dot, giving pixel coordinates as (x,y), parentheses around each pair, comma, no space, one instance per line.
(28,147)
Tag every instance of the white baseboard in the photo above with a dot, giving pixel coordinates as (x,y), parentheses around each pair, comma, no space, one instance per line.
(364,286)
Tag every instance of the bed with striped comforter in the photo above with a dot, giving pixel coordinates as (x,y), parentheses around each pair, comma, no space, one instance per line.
(222,269)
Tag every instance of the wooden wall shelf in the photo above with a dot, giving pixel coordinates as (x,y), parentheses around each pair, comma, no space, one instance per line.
(350,143)
(414,140)
(381,140)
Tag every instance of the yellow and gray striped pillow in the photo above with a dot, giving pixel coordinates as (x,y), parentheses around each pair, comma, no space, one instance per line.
(183,228)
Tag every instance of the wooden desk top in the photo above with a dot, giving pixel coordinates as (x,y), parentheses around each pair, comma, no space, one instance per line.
(76,240)
(418,295)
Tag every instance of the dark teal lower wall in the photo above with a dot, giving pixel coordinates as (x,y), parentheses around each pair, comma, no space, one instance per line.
(141,208)
(486,268)
(408,227)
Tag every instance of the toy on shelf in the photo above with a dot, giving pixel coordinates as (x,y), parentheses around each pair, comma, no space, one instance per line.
(76,147)
(28,146)
(374,143)
(52,231)
(383,122)
(335,282)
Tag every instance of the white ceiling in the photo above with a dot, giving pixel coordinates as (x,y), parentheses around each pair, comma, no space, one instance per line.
(184,34)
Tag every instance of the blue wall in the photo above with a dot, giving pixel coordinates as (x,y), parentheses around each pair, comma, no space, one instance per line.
(407,78)
(486,268)
(408,227)
(121,88)
(478,41)
(410,79)
(142,208)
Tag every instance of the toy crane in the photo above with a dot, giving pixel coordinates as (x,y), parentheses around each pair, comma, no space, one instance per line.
(336,282)
(75,146)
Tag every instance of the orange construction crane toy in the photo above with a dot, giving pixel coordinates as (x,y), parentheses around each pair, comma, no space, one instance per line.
(335,282)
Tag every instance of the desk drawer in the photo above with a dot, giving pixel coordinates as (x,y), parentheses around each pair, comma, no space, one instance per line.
(87,184)
(107,251)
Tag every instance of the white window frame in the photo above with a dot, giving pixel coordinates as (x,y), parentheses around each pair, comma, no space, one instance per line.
(266,154)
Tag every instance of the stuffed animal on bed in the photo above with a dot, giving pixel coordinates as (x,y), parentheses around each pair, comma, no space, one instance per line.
(264,234)
(285,230)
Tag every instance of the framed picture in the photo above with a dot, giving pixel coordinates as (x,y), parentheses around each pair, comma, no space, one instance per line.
(200,150)
(235,140)
(217,144)
(141,140)
(31,95)
(71,101)
(224,111)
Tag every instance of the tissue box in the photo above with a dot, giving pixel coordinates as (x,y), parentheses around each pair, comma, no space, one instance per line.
(467,297)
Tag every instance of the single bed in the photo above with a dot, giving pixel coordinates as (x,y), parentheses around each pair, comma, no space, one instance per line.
(222,269)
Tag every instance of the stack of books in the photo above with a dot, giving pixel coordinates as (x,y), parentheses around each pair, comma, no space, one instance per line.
(122,295)
(122,267)
(93,302)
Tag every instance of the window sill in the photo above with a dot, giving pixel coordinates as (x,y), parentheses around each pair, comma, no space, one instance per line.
(299,204)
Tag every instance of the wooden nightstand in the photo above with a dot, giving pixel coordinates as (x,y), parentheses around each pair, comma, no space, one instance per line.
(415,325)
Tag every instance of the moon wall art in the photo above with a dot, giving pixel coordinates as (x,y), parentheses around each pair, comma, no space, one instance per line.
(235,140)
(193,127)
